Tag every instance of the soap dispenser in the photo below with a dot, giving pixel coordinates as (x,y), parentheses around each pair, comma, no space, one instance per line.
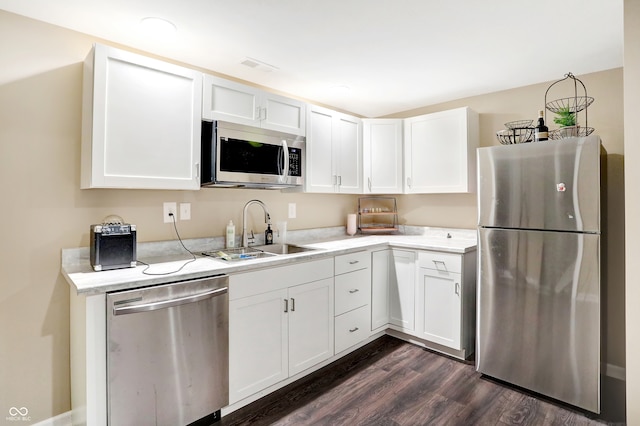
(268,235)
(231,235)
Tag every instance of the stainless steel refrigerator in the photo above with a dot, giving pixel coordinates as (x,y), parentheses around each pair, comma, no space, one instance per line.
(539,267)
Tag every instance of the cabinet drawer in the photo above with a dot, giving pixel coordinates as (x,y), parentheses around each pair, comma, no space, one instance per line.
(352,262)
(351,328)
(443,262)
(352,290)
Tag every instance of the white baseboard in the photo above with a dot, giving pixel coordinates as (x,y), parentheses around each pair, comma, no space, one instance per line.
(614,371)
(63,419)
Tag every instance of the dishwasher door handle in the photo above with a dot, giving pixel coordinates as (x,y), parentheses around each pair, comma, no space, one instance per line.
(132,309)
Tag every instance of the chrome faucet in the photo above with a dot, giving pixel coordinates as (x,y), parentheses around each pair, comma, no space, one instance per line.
(267,219)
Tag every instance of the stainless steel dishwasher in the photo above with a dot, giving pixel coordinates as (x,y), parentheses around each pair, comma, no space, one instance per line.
(168,353)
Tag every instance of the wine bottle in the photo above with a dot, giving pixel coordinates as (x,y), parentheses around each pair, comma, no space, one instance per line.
(541,132)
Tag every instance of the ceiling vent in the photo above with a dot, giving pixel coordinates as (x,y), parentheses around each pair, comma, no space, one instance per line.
(258,65)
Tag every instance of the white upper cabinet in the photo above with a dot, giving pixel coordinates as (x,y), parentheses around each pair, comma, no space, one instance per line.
(440,152)
(382,156)
(334,152)
(238,103)
(141,122)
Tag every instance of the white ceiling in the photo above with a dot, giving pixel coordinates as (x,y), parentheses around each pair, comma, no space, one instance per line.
(393,55)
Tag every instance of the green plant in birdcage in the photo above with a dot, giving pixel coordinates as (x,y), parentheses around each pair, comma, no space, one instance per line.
(565,117)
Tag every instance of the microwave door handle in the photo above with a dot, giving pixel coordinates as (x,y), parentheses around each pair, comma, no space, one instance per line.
(285,152)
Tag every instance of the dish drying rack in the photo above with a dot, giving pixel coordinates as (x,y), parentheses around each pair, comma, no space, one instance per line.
(574,104)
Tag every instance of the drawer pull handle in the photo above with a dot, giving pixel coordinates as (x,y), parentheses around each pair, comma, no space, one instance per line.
(353,262)
(353,330)
(440,262)
(355,290)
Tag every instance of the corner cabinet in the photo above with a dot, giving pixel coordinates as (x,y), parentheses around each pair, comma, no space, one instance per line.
(382,155)
(440,152)
(238,103)
(141,122)
(393,290)
(334,152)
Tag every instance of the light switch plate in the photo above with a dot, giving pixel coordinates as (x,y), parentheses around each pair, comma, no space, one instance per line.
(292,210)
(185,211)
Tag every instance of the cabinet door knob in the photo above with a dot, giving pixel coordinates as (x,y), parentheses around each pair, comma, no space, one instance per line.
(355,290)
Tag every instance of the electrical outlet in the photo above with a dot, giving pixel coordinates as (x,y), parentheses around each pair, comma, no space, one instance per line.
(292,210)
(169,208)
(185,211)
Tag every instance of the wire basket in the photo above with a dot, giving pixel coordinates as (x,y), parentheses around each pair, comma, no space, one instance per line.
(519,124)
(570,131)
(574,104)
(516,135)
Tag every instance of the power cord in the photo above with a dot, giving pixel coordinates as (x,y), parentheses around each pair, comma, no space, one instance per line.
(175,227)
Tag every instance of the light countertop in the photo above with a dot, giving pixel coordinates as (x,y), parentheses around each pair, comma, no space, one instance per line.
(168,260)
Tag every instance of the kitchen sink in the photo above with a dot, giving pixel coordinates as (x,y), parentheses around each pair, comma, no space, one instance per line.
(276,249)
(240,253)
(255,252)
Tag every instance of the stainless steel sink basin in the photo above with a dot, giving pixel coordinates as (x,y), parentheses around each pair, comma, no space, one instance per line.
(240,253)
(255,252)
(282,248)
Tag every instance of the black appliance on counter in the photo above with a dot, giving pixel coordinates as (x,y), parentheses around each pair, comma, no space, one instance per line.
(112,246)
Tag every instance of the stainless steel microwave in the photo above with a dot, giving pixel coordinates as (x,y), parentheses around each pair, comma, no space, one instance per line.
(235,155)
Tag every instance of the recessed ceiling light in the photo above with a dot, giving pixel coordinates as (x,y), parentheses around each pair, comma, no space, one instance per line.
(158,27)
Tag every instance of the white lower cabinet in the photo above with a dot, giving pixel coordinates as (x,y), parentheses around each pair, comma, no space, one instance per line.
(393,289)
(352,328)
(258,343)
(310,324)
(279,332)
(426,294)
(446,300)
(439,299)
(352,299)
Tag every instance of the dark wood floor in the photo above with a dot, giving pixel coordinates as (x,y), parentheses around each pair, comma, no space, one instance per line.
(390,382)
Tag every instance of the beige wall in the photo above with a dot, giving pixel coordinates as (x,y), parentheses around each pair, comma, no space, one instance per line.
(40,104)
(632,176)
